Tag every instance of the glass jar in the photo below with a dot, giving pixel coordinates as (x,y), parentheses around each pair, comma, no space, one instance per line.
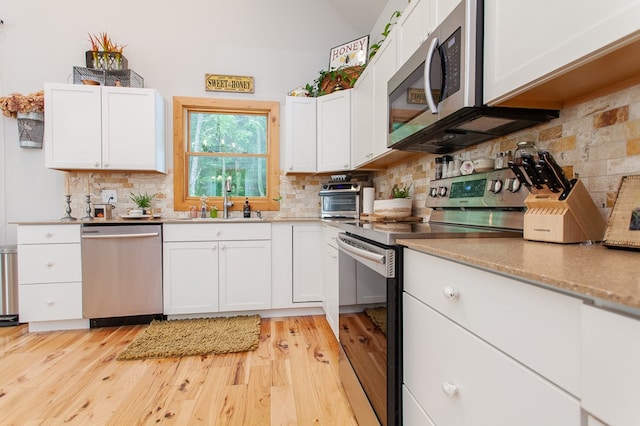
(524,147)
(438,168)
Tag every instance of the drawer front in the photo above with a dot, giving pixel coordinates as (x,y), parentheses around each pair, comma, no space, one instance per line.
(538,327)
(49,263)
(216,231)
(611,366)
(412,413)
(459,379)
(50,302)
(46,234)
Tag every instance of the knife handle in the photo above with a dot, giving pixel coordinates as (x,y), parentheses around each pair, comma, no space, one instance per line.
(519,174)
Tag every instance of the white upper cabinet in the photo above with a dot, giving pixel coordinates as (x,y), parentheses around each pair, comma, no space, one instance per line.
(334,131)
(370,113)
(440,9)
(413,28)
(97,127)
(301,135)
(529,43)
(362,119)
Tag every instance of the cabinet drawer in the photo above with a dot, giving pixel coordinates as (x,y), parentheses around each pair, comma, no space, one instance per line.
(45,234)
(49,263)
(412,413)
(538,327)
(458,379)
(610,367)
(216,231)
(50,302)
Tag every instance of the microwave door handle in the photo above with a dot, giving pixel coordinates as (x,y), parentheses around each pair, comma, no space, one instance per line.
(427,76)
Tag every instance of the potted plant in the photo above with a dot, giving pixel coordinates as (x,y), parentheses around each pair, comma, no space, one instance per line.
(398,205)
(105,54)
(143,201)
(29,111)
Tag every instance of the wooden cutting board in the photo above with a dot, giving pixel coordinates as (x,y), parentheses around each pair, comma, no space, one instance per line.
(372,217)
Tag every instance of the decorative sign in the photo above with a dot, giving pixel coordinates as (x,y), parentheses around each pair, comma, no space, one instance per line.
(228,83)
(349,54)
(416,96)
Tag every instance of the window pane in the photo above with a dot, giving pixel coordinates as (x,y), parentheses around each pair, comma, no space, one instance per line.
(228,133)
(248,176)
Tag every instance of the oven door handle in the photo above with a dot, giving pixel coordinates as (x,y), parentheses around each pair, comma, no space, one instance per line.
(358,252)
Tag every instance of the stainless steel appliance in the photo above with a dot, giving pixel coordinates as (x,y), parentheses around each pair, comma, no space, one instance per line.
(341,198)
(121,273)
(436,98)
(487,204)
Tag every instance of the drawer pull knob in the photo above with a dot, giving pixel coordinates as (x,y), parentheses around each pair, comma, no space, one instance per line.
(49,302)
(450,390)
(48,234)
(49,264)
(451,293)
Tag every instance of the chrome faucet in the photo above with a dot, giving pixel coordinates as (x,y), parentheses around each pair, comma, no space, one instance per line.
(226,203)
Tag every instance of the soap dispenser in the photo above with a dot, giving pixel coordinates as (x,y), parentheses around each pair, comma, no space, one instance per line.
(246,210)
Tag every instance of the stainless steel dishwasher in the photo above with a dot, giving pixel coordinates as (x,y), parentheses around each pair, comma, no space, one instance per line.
(121,273)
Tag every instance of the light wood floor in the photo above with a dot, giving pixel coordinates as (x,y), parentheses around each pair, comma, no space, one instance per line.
(72,377)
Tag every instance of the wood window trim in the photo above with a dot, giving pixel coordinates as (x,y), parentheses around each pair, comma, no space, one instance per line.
(181,106)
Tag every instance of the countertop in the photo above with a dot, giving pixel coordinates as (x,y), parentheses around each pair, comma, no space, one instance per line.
(120,220)
(609,277)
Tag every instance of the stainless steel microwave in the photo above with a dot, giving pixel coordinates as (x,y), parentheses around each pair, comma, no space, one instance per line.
(436,98)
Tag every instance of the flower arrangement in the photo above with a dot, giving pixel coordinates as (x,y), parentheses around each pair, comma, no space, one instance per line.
(105,54)
(17,103)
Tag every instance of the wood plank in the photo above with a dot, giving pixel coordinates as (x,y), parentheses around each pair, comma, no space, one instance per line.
(72,377)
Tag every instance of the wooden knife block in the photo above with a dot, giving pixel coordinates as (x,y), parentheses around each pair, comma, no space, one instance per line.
(573,220)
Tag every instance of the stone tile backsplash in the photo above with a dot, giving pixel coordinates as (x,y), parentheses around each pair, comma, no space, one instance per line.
(597,140)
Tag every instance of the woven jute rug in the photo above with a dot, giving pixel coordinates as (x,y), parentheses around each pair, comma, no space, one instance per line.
(190,337)
(379,317)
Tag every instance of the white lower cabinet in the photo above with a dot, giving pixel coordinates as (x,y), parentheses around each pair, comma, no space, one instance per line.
(459,379)
(330,301)
(50,276)
(245,275)
(216,267)
(481,348)
(190,274)
(412,412)
(308,272)
(610,367)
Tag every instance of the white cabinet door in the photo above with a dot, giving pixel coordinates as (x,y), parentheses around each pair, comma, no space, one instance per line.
(441,9)
(190,277)
(308,273)
(73,138)
(458,379)
(245,275)
(362,98)
(334,131)
(413,28)
(385,65)
(371,287)
(610,366)
(115,128)
(519,55)
(132,129)
(301,134)
(331,277)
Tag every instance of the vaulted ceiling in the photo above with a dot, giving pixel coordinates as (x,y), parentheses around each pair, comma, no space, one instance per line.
(361,14)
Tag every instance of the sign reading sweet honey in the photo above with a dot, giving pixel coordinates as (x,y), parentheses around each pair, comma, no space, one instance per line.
(228,83)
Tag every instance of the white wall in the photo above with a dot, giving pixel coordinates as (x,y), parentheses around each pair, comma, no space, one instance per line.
(171,44)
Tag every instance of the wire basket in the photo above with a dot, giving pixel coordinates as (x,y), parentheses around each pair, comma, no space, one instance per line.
(105,60)
(124,78)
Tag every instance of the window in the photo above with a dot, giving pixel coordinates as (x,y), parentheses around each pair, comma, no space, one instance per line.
(219,138)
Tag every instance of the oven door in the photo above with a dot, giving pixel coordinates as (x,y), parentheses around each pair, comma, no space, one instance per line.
(340,205)
(370,328)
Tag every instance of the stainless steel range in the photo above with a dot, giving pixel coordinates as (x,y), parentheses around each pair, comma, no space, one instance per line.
(489,204)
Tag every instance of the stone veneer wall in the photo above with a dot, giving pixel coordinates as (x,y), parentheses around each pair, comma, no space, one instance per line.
(597,140)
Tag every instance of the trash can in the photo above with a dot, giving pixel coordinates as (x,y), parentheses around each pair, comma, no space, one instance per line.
(9,285)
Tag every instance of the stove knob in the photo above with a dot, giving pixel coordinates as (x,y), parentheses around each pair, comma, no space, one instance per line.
(512,184)
(442,191)
(433,192)
(325,186)
(354,185)
(495,186)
